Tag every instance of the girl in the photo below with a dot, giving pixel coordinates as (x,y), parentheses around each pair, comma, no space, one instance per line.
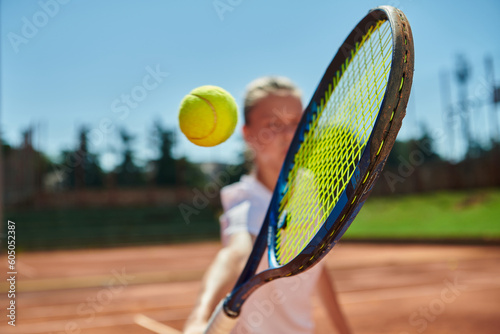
(272,111)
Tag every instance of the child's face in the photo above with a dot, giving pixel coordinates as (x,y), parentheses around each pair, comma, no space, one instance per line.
(270,129)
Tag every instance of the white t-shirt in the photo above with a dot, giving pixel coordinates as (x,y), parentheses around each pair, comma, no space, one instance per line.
(281,306)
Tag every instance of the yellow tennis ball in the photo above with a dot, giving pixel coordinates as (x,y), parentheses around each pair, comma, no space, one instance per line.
(208,115)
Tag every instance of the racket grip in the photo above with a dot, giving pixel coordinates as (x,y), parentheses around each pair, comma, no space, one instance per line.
(220,322)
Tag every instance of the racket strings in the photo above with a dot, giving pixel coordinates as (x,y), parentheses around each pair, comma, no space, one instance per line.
(337,136)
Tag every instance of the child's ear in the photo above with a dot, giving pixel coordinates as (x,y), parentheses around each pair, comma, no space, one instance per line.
(246,133)
(249,137)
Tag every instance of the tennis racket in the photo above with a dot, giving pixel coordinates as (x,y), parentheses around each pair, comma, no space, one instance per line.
(338,151)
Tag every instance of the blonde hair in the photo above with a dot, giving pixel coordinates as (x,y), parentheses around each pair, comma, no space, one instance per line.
(265,86)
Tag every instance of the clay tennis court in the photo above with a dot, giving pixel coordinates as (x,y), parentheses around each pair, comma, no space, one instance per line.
(386,289)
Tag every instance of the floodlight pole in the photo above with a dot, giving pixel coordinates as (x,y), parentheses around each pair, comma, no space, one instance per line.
(462,73)
(448,112)
(494,118)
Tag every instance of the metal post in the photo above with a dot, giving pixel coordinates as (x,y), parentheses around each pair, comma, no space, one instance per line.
(448,112)
(490,74)
(463,75)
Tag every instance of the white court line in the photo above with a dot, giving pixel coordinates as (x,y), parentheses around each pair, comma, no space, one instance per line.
(58,326)
(153,325)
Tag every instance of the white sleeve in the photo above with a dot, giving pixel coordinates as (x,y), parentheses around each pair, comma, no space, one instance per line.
(245,205)
(234,220)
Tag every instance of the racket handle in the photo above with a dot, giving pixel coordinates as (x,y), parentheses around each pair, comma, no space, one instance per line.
(220,322)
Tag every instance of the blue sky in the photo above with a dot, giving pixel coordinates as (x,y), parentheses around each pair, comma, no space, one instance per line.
(75,66)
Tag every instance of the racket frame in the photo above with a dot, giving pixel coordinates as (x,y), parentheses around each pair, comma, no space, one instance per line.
(368,169)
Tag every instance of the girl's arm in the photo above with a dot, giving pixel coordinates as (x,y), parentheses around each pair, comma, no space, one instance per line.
(219,280)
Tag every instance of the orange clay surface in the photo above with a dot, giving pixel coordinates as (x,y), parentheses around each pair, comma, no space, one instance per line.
(401,289)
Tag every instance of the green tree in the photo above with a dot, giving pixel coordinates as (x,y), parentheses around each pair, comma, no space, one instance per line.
(190,174)
(81,167)
(128,173)
(165,165)
(423,149)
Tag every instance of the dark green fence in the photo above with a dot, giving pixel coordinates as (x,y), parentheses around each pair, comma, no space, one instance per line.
(108,227)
